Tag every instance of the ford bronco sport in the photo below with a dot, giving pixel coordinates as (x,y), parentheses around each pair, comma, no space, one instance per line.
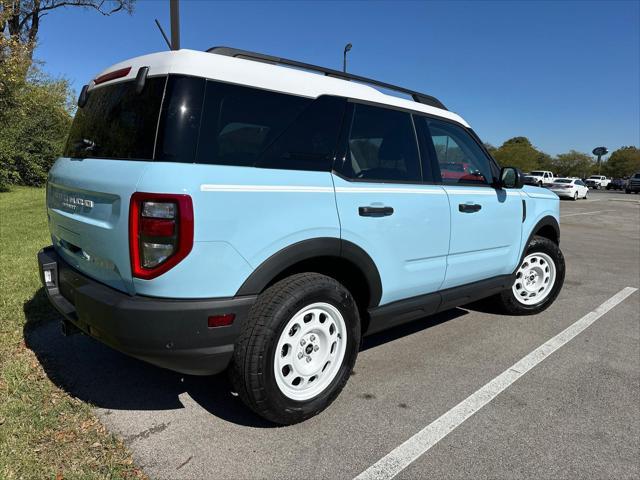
(220,210)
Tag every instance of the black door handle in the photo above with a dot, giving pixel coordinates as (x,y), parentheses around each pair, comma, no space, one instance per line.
(469,207)
(375,211)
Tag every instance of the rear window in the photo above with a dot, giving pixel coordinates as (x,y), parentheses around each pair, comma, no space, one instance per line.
(117,123)
(563,180)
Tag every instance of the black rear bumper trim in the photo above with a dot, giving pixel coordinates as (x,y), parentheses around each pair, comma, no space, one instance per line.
(170,333)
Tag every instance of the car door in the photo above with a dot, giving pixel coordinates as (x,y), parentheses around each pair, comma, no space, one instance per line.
(486,222)
(384,205)
(582,188)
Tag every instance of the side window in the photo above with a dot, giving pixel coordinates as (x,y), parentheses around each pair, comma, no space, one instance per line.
(381,146)
(239,123)
(309,143)
(460,158)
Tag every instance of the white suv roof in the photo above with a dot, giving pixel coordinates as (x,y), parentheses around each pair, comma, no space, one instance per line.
(266,76)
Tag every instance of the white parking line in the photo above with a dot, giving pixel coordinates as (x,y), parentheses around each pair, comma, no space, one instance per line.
(584,213)
(402,456)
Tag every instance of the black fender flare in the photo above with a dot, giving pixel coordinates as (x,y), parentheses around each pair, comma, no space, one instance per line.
(307,250)
(547,221)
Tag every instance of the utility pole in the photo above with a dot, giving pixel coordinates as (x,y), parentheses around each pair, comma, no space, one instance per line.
(174,10)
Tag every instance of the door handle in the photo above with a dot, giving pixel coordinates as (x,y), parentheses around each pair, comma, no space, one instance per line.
(375,211)
(469,207)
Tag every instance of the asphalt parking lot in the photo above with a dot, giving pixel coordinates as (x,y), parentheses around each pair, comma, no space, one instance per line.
(576,414)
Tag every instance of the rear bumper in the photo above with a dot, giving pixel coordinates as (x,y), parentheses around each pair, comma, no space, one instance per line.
(564,194)
(168,333)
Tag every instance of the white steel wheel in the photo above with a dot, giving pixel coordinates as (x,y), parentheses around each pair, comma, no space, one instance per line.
(534,279)
(310,351)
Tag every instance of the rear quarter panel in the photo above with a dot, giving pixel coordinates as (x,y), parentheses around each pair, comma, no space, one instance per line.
(243,215)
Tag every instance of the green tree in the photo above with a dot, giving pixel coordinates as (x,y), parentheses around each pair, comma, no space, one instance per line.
(519,152)
(33,128)
(34,108)
(623,162)
(490,148)
(573,164)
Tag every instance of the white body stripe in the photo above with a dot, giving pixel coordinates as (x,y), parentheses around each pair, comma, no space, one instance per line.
(265,188)
(427,190)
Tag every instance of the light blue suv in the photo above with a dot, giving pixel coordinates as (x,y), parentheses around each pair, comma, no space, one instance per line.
(231,210)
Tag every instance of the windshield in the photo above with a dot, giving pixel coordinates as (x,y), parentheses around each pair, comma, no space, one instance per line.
(537,174)
(637,175)
(116,122)
(563,180)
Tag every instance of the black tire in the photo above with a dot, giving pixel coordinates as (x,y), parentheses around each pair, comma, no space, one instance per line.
(507,301)
(252,368)
(540,184)
(627,191)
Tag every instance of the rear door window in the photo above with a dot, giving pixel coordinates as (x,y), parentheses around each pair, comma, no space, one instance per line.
(116,122)
(381,146)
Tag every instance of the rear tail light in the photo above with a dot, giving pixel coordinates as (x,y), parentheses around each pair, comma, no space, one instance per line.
(160,232)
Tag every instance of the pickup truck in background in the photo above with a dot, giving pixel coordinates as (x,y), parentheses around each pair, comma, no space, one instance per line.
(539,178)
(634,184)
(597,181)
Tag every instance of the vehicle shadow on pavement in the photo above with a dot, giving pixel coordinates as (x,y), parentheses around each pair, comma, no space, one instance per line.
(105,378)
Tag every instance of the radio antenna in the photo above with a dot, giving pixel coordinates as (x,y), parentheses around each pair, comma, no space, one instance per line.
(164,35)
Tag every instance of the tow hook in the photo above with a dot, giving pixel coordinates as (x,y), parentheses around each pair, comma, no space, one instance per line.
(68,328)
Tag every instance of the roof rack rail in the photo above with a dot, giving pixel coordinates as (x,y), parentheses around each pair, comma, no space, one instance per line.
(261,57)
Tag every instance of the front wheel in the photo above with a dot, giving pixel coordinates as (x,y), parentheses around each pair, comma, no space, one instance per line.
(575,196)
(537,281)
(586,194)
(297,348)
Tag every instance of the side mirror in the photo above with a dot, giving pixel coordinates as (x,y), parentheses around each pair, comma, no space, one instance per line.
(511,177)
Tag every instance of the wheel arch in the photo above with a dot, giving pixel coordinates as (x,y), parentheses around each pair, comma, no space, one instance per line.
(546,227)
(340,259)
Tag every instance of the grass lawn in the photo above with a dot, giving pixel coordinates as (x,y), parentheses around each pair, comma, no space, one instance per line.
(44,433)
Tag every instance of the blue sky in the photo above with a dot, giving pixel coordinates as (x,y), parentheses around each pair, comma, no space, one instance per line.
(564,74)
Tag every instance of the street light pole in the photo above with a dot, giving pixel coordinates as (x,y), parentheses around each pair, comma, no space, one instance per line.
(347,47)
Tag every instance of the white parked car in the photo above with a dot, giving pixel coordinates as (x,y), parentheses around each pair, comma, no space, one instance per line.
(569,188)
(598,181)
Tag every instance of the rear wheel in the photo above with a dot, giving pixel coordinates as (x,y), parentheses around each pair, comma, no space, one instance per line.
(297,348)
(537,281)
